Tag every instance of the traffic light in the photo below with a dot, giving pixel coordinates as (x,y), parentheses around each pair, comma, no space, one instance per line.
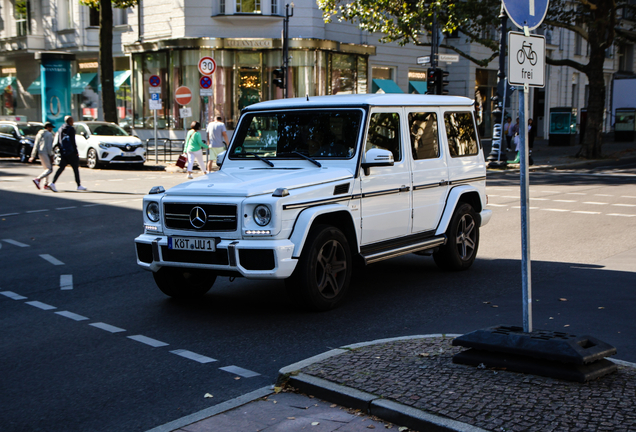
(430,81)
(279,78)
(440,74)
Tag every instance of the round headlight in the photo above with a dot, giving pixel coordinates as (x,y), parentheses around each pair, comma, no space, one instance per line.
(262,215)
(152,211)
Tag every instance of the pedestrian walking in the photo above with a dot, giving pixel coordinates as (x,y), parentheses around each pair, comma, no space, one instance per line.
(43,147)
(193,147)
(507,131)
(532,132)
(69,154)
(217,138)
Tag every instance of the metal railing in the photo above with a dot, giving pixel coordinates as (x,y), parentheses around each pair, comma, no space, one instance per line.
(167,150)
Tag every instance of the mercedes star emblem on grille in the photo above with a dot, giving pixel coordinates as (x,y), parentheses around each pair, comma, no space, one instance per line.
(198,217)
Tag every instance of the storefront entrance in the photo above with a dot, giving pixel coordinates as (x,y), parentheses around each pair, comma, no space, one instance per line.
(249,72)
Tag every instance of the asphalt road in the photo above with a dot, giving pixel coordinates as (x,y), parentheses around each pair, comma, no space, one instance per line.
(94,345)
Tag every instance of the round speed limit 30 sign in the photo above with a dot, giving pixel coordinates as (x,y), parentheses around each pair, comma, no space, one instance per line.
(207,66)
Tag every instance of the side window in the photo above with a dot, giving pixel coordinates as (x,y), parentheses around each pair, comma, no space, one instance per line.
(460,131)
(424,136)
(80,129)
(384,133)
(6,129)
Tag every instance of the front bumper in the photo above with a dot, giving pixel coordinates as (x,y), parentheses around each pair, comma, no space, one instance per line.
(253,259)
(117,155)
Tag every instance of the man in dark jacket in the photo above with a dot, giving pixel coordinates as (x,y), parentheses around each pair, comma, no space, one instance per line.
(69,154)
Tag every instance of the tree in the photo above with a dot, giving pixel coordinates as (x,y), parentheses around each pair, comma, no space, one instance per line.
(105,7)
(410,21)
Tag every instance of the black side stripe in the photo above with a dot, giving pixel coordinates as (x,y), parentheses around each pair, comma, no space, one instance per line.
(448,183)
(316,203)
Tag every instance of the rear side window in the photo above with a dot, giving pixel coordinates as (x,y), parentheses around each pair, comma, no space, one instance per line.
(384,133)
(6,129)
(424,136)
(460,132)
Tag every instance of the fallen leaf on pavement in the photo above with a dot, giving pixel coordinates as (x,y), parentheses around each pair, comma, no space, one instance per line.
(563,299)
(291,418)
(208,395)
(567,325)
(486,302)
(237,378)
(333,406)
(315,423)
(370,427)
(278,389)
(601,307)
(495,306)
(403,429)
(424,354)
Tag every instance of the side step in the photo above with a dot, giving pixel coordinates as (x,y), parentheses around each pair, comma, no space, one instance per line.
(403,250)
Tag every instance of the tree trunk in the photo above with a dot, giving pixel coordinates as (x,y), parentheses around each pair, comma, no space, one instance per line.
(109,104)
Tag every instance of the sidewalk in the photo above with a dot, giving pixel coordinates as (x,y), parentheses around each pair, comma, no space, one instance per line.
(412,383)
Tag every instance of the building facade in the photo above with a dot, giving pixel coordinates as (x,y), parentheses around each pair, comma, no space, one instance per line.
(167,38)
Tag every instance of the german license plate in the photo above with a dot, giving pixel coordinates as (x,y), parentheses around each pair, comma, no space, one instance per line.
(129,154)
(192,244)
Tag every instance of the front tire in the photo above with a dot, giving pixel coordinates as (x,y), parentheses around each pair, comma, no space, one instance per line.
(182,283)
(323,273)
(462,243)
(92,161)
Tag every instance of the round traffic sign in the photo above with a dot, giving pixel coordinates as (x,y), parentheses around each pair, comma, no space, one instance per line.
(205,82)
(183,95)
(526,12)
(207,66)
(154,80)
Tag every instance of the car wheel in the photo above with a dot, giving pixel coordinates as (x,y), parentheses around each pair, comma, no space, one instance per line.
(24,153)
(92,161)
(322,275)
(57,155)
(182,283)
(462,242)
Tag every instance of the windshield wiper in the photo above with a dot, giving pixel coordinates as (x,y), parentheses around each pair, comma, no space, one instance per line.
(268,162)
(304,156)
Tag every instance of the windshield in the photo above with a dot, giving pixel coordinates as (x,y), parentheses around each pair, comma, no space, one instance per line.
(320,134)
(29,130)
(106,130)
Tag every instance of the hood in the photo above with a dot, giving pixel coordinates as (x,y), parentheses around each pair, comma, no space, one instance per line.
(106,139)
(251,182)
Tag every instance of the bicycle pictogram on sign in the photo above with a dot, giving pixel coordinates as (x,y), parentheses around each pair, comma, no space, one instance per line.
(526,52)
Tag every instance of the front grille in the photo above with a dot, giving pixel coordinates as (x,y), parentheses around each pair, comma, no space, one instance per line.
(196,257)
(220,217)
(127,158)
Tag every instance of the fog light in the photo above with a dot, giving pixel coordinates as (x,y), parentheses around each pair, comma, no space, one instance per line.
(151,228)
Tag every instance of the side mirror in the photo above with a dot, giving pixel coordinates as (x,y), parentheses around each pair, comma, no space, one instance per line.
(377,158)
(219,158)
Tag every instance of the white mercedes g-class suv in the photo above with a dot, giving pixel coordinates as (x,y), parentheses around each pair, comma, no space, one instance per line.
(310,186)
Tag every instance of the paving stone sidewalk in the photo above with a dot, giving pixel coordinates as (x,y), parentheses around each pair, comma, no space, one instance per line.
(419,373)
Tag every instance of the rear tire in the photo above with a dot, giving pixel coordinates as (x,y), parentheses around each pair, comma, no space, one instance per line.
(462,243)
(183,283)
(323,273)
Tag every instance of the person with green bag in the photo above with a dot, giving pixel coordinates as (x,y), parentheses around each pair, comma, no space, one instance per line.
(194,148)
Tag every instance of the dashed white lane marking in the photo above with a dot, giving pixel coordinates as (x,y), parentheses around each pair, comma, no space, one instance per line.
(539,199)
(72,315)
(586,212)
(594,203)
(51,259)
(148,341)
(193,356)
(621,215)
(627,196)
(603,195)
(555,210)
(576,193)
(41,305)
(239,371)
(497,205)
(66,282)
(37,211)
(531,208)
(116,180)
(12,295)
(66,208)
(553,192)
(624,205)
(9,214)
(565,201)
(510,196)
(107,327)
(15,243)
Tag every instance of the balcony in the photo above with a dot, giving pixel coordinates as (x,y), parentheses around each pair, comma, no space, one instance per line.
(26,43)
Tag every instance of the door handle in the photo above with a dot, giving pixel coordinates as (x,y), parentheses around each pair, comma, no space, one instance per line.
(443,182)
(405,188)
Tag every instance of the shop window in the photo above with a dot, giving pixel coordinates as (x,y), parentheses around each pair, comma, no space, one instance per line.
(343,70)
(460,134)
(382,72)
(22,16)
(248,6)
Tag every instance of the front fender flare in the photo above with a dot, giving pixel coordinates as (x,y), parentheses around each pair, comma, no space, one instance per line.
(451,203)
(305,220)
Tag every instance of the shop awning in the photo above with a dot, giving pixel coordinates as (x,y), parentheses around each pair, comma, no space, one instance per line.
(80,81)
(119,78)
(418,87)
(385,86)
(35,87)
(6,81)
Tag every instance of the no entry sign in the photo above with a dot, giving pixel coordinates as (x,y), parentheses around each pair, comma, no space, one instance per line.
(207,66)
(183,95)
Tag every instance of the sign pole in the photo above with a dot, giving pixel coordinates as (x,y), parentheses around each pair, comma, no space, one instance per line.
(156,150)
(526,277)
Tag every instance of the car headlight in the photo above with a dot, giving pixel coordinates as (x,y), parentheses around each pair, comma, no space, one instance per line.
(262,215)
(152,211)
(104,145)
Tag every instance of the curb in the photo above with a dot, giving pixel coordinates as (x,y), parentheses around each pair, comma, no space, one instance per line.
(214,410)
(374,405)
(384,409)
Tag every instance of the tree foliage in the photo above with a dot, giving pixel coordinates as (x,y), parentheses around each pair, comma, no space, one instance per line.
(602,23)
